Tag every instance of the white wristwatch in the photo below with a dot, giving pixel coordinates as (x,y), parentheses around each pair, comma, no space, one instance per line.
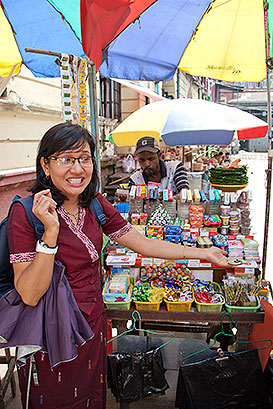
(42,247)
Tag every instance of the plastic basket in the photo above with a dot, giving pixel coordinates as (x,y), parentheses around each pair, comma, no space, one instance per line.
(210,307)
(147,306)
(228,188)
(179,305)
(234,308)
(118,305)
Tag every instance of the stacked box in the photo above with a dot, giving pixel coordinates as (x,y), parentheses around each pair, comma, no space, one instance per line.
(173,233)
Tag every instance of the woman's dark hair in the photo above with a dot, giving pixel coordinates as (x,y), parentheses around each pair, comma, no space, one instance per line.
(59,139)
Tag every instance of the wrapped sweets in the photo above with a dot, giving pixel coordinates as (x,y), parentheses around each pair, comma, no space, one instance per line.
(154,231)
(159,275)
(207,292)
(159,217)
(204,242)
(147,293)
(183,294)
(172,233)
(221,241)
(196,216)
(212,220)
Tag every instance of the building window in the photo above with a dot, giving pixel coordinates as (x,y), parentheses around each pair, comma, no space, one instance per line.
(258,85)
(110,99)
(250,84)
(264,83)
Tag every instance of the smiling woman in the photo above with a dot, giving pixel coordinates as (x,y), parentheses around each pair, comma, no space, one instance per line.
(65,186)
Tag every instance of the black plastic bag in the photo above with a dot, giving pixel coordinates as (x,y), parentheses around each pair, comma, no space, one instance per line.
(236,382)
(268,376)
(135,376)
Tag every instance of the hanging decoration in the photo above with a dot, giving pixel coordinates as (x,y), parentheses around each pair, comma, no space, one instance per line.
(66,91)
(74,101)
(82,74)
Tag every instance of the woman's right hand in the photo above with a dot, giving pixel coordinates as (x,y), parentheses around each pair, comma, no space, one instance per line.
(44,207)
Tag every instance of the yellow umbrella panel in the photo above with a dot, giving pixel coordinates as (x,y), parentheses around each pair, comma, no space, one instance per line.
(229,43)
(10,57)
(147,122)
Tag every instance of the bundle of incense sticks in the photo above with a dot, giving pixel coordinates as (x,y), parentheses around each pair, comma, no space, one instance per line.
(240,291)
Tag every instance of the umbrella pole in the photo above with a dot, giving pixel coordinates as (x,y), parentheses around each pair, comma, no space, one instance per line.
(268,175)
(94,116)
(269,165)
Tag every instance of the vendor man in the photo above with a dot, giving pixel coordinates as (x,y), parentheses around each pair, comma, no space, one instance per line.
(170,174)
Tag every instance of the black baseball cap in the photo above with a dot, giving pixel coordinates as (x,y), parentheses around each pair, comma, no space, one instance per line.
(147,144)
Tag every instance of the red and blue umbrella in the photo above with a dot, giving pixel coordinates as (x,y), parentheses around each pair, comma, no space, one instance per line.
(222,39)
(189,122)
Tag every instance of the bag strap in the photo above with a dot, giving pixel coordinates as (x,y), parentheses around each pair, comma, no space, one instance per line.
(97,209)
(38,226)
(34,222)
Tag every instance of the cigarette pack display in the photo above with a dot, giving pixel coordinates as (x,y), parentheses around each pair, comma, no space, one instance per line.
(211,196)
(217,195)
(226,198)
(132,193)
(196,196)
(203,197)
(183,195)
(189,196)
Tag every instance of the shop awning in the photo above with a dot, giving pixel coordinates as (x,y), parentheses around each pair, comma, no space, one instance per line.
(141,89)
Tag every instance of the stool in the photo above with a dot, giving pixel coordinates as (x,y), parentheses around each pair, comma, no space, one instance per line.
(8,378)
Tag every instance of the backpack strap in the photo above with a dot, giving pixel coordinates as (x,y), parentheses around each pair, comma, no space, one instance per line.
(97,209)
(34,222)
(38,226)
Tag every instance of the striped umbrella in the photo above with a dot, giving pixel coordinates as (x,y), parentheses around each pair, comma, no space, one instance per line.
(189,122)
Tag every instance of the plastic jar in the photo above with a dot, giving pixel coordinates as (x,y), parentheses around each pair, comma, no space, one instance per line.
(245,231)
(225,210)
(245,222)
(224,229)
(234,231)
(234,224)
(245,213)
(225,220)
(234,215)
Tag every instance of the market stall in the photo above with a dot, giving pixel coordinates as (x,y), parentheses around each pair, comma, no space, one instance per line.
(188,295)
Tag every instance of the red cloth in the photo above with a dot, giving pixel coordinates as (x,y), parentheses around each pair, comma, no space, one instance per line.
(78,384)
(103,20)
(263,331)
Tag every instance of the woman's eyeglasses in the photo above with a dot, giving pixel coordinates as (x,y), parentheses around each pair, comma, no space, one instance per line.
(68,162)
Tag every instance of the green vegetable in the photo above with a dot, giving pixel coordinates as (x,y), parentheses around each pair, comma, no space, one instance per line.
(226,176)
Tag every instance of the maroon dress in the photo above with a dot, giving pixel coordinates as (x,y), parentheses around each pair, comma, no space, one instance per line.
(80,383)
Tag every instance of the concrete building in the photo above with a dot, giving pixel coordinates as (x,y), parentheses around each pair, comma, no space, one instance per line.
(248,96)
